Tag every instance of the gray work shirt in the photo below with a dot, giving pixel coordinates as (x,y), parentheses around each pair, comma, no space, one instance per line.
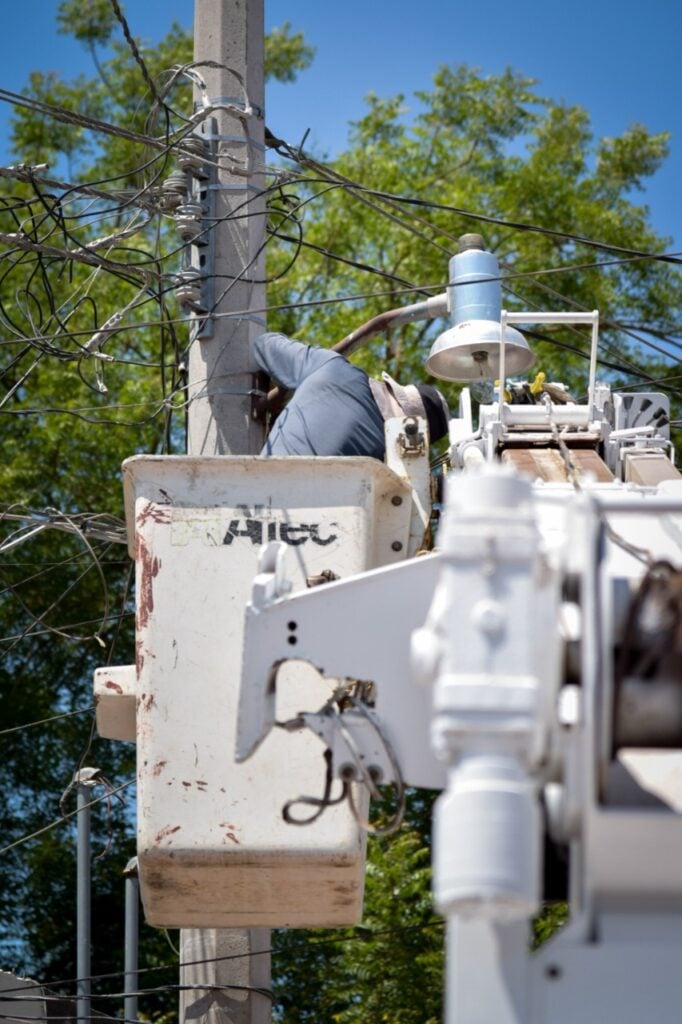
(332,411)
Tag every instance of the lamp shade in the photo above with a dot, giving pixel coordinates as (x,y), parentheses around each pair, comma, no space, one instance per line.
(471,351)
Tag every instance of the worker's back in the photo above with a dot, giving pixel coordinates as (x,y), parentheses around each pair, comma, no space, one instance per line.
(332,411)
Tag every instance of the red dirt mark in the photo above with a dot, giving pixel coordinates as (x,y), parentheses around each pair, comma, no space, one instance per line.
(165,832)
(148,569)
(230,830)
(147,701)
(157,513)
(158,767)
(111,685)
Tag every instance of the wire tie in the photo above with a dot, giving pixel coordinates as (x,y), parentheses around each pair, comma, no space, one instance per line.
(227,391)
(232,101)
(245,139)
(236,188)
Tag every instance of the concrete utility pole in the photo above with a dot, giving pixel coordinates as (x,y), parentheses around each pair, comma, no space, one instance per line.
(229,33)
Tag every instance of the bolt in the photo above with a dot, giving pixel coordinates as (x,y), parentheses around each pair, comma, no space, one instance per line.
(397,545)
(471,241)
(488,616)
(396,500)
(553,972)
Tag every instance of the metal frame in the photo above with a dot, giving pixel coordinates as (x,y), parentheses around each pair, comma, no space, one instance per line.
(553,318)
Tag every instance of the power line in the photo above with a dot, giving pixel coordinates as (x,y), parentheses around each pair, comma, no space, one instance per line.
(135,51)
(63,818)
(45,721)
(334,300)
(362,935)
(292,153)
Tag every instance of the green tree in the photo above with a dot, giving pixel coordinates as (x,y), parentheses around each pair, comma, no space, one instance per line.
(390,968)
(475,147)
(496,149)
(68,420)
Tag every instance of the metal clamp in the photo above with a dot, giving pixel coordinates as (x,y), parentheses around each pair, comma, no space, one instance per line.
(411,441)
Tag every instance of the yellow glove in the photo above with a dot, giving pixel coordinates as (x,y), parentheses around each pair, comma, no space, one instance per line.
(536,386)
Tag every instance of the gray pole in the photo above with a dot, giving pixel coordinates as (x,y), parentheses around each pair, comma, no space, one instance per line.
(132,931)
(84,780)
(229,33)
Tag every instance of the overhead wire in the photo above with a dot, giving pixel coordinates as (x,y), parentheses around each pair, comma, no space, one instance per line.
(139,60)
(636,257)
(290,152)
(334,300)
(604,322)
(46,721)
(362,934)
(63,818)
(112,618)
(88,529)
(39,618)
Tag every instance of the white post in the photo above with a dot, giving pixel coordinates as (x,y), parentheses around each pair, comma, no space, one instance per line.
(84,782)
(229,34)
(486,971)
(131,976)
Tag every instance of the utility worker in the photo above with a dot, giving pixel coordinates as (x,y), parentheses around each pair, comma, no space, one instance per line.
(336,408)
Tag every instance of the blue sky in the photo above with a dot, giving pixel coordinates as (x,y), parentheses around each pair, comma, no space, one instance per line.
(619,60)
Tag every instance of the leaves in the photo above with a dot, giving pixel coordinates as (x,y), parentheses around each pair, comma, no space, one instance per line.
(68,418)
(286,53)
(390,969)
(92,23)
(494,147)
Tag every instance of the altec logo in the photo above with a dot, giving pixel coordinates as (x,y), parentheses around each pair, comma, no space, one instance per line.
(259,528)
(252,525)
(259,532)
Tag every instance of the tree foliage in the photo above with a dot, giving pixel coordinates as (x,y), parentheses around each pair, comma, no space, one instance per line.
(390,969)
(492,147)
(474,153)
(68,422)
